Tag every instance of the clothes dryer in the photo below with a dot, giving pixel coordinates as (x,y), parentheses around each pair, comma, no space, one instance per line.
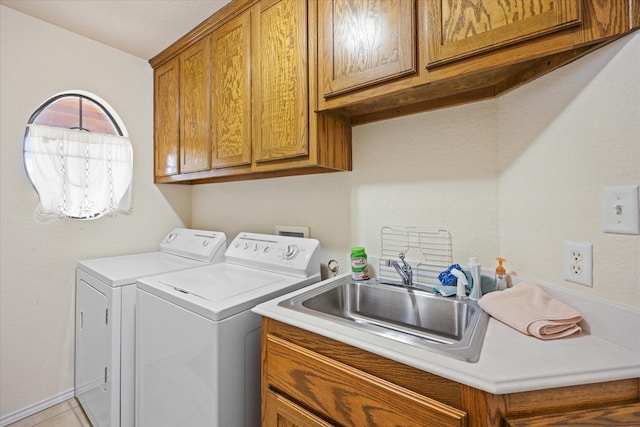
(105,317)
(198,342)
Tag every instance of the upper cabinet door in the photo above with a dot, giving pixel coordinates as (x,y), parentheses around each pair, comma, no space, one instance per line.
(460,28)
(231,93)
(166,126)
(280,80)
(195,144)
(364,42)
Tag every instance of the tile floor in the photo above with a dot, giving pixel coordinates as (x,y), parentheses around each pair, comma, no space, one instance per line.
(65,414)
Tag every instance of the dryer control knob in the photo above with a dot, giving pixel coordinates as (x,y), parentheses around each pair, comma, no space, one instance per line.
(291,252)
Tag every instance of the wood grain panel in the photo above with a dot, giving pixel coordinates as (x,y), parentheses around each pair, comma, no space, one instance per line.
(619,415)
(280,80)
(461,28)
(424,383)
(195,145)
(280,412)
(575,396)
(334,142)
(166,125)
(364,42)
(602,19)
(231,93)
(348,396)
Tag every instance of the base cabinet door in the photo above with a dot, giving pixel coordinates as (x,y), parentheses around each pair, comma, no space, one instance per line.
(281,412)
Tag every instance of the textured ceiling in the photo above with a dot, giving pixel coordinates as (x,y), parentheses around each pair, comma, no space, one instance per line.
(140,27)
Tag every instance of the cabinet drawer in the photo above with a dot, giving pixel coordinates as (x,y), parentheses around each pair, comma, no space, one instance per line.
(623,415)
(347,395)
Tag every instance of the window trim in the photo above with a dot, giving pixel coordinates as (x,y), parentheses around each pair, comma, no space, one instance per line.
(116,122)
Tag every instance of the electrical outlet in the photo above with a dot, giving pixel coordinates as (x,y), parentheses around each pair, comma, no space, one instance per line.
(578,262)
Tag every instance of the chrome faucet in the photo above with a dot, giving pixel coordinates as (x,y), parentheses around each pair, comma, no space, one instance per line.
(404,270)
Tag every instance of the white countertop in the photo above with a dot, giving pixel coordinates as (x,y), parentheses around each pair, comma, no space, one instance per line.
(607,350)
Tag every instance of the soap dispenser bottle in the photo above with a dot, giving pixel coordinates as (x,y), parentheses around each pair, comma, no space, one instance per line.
(474,268)
(501,275)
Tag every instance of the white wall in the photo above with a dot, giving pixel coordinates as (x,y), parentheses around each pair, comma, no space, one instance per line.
(430,169)
(513,177)
(562,138)
(38,259)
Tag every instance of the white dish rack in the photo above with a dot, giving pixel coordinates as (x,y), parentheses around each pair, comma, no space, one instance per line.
(427,249)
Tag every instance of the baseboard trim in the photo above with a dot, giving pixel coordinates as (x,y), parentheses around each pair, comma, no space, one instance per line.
(36,407)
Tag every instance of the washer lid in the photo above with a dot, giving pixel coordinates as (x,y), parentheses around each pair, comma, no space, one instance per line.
(126,269)
(217,291)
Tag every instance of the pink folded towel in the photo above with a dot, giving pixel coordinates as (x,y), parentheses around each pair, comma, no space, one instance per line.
(528,309)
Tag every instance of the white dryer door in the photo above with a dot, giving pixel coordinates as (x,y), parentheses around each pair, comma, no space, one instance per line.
(92,347)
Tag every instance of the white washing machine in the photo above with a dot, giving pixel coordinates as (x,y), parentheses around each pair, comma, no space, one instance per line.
(198,343)
(105,317)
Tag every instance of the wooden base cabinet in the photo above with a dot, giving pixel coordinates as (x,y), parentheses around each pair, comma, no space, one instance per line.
(309,380)
(250,110)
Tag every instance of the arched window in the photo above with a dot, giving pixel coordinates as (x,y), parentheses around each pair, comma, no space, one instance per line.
(78,157)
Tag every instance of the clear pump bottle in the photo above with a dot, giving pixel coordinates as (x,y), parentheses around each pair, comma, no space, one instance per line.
(501,275)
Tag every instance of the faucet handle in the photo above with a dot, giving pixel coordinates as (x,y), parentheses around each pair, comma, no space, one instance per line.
(405,263)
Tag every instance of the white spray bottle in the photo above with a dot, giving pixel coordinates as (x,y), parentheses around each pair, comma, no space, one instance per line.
(474,268)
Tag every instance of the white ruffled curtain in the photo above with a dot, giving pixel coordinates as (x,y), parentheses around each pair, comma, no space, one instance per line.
(79,174)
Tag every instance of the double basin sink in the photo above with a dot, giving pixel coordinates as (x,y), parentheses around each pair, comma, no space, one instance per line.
(445,325)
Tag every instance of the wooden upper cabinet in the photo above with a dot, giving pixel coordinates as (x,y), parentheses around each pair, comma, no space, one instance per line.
(461,28)
(166,125)
(280,80)
(364,42)
(195,143)
(231,93)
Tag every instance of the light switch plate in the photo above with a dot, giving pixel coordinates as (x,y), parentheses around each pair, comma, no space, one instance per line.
(621,210)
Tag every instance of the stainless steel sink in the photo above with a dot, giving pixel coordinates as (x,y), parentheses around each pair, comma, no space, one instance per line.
(417,317)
